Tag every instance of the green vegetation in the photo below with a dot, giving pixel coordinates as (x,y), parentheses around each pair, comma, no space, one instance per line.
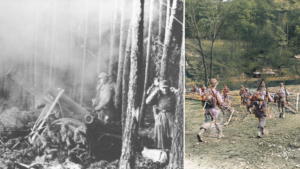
(246,35)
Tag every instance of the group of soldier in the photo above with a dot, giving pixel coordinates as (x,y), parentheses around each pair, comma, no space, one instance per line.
(160,95)
(213,104)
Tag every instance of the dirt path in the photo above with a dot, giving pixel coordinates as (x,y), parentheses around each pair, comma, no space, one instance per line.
(240,148)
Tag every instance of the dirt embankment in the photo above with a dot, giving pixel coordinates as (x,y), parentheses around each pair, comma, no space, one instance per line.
(240,148)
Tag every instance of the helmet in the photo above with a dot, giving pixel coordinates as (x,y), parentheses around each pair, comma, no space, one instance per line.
(246,89)
(102,74)
(213,82)
(164,83)
(281,84)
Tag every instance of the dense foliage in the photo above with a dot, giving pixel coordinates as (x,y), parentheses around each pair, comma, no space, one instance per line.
(255,35)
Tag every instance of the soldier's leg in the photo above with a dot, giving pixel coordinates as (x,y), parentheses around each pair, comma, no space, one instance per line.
(261,126)
(283,109)
(279,108)
(202,130)
(219,128)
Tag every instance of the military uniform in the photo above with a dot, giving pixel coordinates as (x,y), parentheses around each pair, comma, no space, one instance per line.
(260,100)
(214,98)
(242,91)
(281,98)
(104,100)
(164,119)
(225,94)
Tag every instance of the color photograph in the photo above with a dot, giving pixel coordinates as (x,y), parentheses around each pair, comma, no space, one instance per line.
(242,84)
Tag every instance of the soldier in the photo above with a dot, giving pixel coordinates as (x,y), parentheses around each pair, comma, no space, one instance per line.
(242,91)
(225,94)
(164,100)
(246,96)
(202,89)
(104,105)
(259,100)
(212,98)
(246,100)
(282,93)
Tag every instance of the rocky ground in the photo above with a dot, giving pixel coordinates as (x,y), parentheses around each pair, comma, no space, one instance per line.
(240,148)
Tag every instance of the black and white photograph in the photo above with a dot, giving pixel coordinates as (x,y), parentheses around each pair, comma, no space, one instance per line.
(89,84)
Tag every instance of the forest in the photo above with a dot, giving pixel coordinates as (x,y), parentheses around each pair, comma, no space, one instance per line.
(232,39)
(52,53)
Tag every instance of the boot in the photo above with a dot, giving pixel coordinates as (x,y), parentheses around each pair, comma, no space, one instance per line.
(283,112)
(262,131)
(220,132)
(280,115)
(259,133)
(199,135)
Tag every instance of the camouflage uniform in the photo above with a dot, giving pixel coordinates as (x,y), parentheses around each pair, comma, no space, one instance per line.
(213,95)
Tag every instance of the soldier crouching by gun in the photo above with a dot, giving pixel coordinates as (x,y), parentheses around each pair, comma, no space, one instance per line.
(164,101)
(214,98)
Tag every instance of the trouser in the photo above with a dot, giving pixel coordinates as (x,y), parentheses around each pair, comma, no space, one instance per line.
(207,124)
(281,107)
(261,122)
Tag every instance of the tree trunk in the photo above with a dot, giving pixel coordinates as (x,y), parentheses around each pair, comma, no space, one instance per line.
(211,58)
(143,106)
(72,62)
(160,20)
(118,96)
(168,33)
(177,149)
(168,13)
(46,56)
(126,73)
(194,23)
(52,46)
(127,158)
(112,42)
(100,34)
(84,55)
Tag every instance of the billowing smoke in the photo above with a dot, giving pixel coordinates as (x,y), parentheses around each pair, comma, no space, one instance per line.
(45,40)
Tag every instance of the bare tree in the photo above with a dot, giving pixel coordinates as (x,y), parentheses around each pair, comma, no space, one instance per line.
(143,107)
(84,53)
(46,55)
(193,23)
(100,30)
(52,45)
(177,149)
(112,41)
(126,72)
(168,34)
(118,96)
(127,158)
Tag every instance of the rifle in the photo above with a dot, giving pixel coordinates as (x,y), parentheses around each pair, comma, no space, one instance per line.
(286,95)
(259,84)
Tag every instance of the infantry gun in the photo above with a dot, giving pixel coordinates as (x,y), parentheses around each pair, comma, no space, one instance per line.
(82,134)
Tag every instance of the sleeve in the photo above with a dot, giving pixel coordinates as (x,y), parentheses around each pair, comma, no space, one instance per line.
(219,97)
(153,96)
(109,96)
